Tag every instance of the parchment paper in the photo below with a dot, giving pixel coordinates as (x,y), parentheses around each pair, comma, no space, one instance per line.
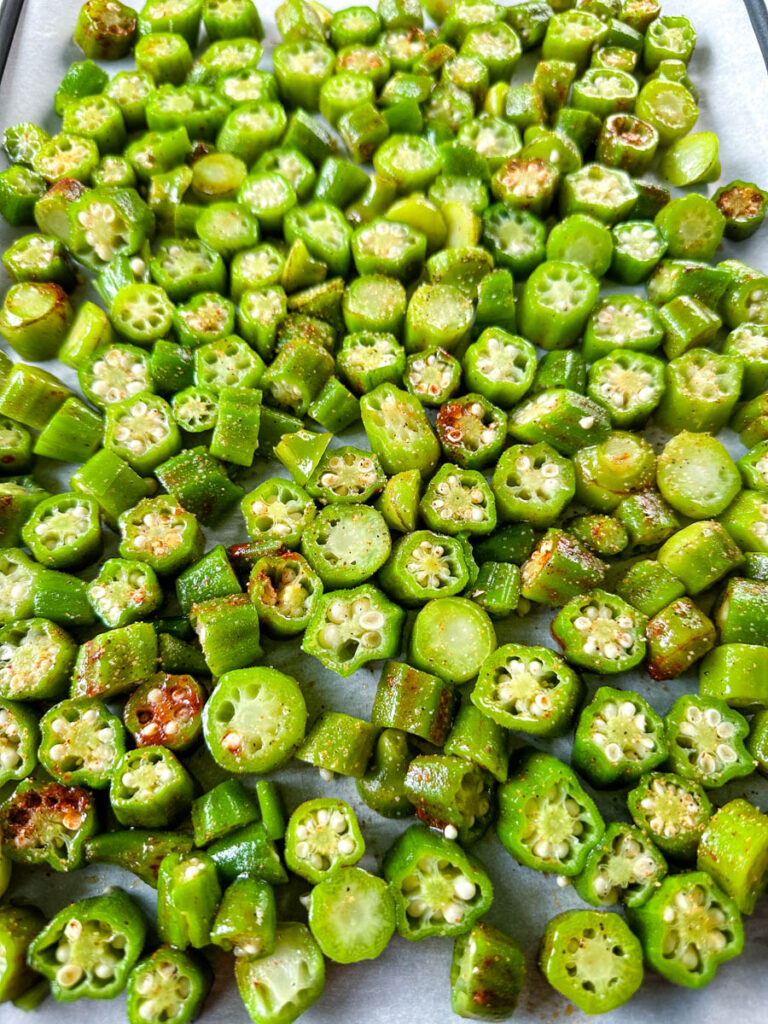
(409,983)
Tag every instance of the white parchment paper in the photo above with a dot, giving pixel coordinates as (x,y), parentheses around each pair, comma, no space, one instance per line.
(409,983)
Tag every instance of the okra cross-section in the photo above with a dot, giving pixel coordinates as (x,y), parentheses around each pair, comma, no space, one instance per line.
(167,986)
(532,484)
(346,544)
(351,627)
(546,820)
(281,986)
(625,867)
(528,689)
(162,534)
(601,632)
(424,565)
(322,835)
(278,509)
(150,788)
(36,658)
(81,742)
(688,928)
(47,823)
(438,888)
(352,915)
(706,741)
(459,501)
(673,810)
(619,736)
(19,739)
(165,710)
(346,475)
(285,590)
(446,790)
(89,947)
(254,719)
(142,431)
(471,430)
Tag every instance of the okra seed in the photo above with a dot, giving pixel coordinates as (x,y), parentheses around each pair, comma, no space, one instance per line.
(69,975)
(464,888)
(62,953)
(346,846)
(451,832)
(232,740)
(104,970)
(415,908)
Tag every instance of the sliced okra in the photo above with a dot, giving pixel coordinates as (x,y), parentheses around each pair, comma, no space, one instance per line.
(601,632)
(351,627)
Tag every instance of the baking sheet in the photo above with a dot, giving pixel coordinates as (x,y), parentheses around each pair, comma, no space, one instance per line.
(410,982)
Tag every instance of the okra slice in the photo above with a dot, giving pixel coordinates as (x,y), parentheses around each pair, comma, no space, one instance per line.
(160,533)
(706,741)
(546,820)
(733,851)
(66,156)
(437,314)
(500,366)
(114,373)
(674,811)
(515,237)
(389,247)
(701,392)
(592,958)
(625,867)
(698,477)
(195,409)
(89,947)
(186,266)
(438,888)
(47,823)
(81,742)
(555,303)
(688,928)
(471,430)
(679,635)
(369,358)
(254,719)
(458,501)
(142,431)
(351,627)
(150,788)
(528,689)
(284,984)
(638,246)
(339,743)
(451,637)
(433,377)
(447,790)
(123,592)
(285,590)
(346,475)
(278,509)
(601,632)
(352,915)
(38,257)
(166,711)
(487,974)
(398,430)
(622,322)
(532,484)
(628,384)
(36,658)
(346,544)
(245,921)
(424,565)
(19,740)
(559,568)
(605,535)
(621,465)
(322,836)
(64,531)
(167,986)
(227,363)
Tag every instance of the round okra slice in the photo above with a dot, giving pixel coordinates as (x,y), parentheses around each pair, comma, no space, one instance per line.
(628,384)
(437,314)
(528,689)
(285,590)
(389,247)
(546,820)
(325,232)
(322,836)
(206,317)
(19,740)
(458,501)
(515,238)
(113,374)
(462,189)
(448,790)
(346,544)
(688,928)
(282,985)
(346,476)
(186,266)
(64,531)
(277,510)
(195,409)
(669,107)
(36,659)
(433,377)
(592,958)
(619,737)
(424,565)
(750,342)
(438,888)
(555,303)
(254,719)
(165,711)
(697,476)
(409,161)
(706,741)
(601,632)
(746,519)
(66,156)
(500,366)
(638,246)
(142,313)
(625,867)
(256,268)
(674,811)
(368,358)
(124,592)
(81,742)
(352,915)
(294,166)
(142,430)
(349,628)
(603,91)
(150,788)
(492,138)
(606,193)
(533,484)
(161,534)
(268,196)
(528,184)
(167,987)
(702,389)
(374,303)
(622,322)
(471,431)
(451,638)
(227,363)
(44,822)
(754,467)
(15,447)
(622,464)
